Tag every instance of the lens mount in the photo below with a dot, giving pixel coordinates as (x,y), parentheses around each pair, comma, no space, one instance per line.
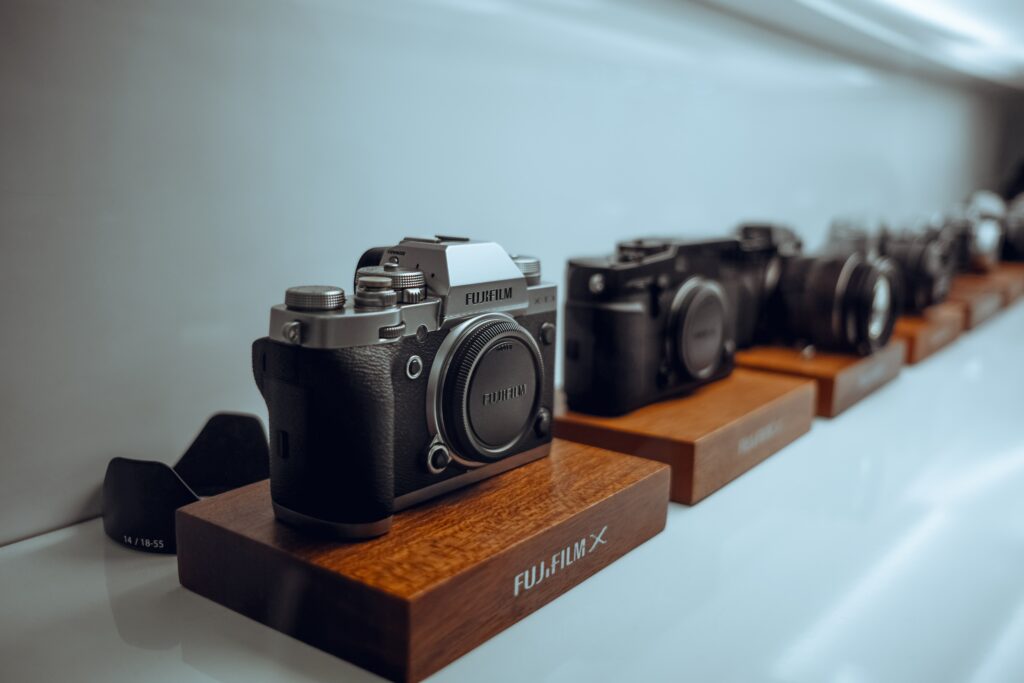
(697,330)
(485,388)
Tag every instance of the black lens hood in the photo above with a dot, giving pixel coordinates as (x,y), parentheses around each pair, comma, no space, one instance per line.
(141,496)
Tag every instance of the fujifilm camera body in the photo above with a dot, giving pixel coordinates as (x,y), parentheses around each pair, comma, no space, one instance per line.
(437,373)
(652,321)
(661,317)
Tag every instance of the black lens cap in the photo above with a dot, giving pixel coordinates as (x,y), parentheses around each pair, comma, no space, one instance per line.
(700,326)
(502,392)
(493,398)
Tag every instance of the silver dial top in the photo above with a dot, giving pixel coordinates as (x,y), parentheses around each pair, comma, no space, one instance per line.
(401,278)
(529,266)
(374,291)
(314,298)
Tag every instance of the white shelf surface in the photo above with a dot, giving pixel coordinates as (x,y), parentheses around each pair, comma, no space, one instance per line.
(886,545)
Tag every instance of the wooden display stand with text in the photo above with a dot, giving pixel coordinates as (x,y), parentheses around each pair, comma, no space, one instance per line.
(935,328)
(449,575)
(709,437)
(1011,275)
(843,379)
(980,297)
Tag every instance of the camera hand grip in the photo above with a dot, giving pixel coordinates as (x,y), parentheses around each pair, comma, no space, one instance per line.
(331,429)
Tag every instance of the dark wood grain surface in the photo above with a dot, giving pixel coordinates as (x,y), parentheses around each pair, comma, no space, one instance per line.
(935,328)
(709,437)
(843,379)
(444,579)
(980,297)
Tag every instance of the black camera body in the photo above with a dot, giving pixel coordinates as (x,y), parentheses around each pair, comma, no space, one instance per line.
(661,317)
(653,321)
(835,301)
(439,374)
(921,262)
(1013,244)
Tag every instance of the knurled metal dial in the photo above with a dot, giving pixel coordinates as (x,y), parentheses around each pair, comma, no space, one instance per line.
(392,331)
(401,278)
(374,291)
(529,266)
(314,298)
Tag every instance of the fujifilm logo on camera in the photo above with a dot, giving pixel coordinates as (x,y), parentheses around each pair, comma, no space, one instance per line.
(486,296)
(504,394)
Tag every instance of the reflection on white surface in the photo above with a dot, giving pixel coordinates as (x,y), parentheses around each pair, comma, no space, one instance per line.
(956,22)
(831,632)
(886,545)
(982,39)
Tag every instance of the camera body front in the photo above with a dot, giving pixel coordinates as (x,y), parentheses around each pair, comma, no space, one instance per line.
(652,321)
(439,373)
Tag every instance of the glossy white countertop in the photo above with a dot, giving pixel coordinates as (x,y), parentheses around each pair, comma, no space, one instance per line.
(886,545)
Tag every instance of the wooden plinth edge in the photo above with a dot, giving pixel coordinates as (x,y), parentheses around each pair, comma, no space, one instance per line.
(979,296)
(842,379)
(451,574)
(710,437)
(1011,275)
(934,329)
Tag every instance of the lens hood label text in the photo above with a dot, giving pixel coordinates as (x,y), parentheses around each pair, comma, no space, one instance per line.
(139,542)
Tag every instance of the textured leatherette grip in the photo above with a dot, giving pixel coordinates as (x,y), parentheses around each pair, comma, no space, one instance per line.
(611,356)
(331,429)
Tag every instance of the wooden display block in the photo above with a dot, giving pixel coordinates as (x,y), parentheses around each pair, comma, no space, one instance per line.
(843,379)
(449,575)
(979,297)
(936,327)
(709,437)
(1011,275)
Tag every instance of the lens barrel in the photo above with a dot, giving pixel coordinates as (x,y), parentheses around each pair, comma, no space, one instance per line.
(842,302)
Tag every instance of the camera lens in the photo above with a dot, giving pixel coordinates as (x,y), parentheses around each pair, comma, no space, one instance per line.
(698,318)
(488,386)
(881,304)
(985,239)
(842,303)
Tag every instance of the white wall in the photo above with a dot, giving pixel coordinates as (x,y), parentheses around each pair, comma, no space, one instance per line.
(168,168)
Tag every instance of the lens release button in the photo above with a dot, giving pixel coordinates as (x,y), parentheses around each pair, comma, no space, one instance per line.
(542,425)
(438,459)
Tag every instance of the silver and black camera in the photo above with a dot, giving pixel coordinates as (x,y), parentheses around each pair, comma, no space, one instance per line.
(438,372)
(918,259)
(976,229)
